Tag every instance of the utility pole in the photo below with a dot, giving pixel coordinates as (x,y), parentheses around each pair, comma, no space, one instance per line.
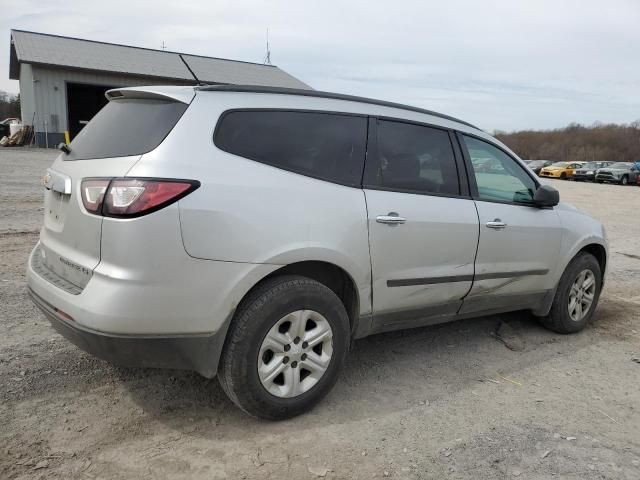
(163,46)
(267,58)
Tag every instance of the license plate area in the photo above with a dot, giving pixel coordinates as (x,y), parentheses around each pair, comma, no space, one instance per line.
(63,267)
(56,206)
(57,197)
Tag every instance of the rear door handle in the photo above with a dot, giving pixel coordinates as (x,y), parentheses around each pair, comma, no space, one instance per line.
(392,218)
(497,224)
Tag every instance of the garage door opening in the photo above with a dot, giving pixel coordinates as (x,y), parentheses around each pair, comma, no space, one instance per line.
(83,102)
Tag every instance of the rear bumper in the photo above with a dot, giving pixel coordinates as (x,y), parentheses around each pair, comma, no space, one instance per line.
(187,352)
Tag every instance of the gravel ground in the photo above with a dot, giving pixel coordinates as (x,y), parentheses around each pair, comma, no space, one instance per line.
(448,401)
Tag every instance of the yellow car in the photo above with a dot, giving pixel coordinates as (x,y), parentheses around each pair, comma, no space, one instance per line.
(561,170)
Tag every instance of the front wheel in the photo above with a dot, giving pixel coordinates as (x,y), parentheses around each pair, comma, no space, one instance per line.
(576,297)
(285,347)
(624,180)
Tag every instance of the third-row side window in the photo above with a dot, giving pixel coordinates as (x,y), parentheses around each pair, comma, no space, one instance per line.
(321,145)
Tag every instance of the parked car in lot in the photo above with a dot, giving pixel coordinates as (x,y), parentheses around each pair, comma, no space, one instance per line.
(620,172)
(253,232)
(537,165)
(588,170)
(562,170)
(487,165)
(5,126)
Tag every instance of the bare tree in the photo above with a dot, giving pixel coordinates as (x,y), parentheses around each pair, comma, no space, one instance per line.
(575,142)
(9,105)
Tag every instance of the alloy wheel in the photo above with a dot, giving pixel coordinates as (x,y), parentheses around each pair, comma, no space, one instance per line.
(295,353)
(581,295)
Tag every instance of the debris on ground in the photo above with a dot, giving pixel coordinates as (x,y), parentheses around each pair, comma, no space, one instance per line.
(510,337)
(510,380)
(608,416)
(41,464)
(319,471)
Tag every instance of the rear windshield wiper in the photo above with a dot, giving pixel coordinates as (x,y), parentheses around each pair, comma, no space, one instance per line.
(64,147)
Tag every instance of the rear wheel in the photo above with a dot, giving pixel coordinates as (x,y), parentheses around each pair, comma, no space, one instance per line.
(285,347)
(577,295)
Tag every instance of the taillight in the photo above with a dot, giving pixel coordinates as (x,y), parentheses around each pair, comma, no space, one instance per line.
(132,197)
(93,190)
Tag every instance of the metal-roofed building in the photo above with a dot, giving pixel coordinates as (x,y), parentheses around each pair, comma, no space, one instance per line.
(63,80)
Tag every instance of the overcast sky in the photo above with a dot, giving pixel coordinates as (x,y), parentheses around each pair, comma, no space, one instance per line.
(500,64)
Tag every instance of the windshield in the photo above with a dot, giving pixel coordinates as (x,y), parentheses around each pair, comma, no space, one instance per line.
(537,163)
(623,165)
(127,126)
(560,164)
(590,165)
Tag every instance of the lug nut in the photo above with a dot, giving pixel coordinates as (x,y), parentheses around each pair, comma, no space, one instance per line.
(287,347)
(294,364)
(296,340)
(305,344)
(303,357)
(285,360)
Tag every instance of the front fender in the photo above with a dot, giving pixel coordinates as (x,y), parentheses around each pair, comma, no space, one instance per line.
(579,231)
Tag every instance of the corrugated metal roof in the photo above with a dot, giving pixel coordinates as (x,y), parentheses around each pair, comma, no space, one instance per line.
(58,51)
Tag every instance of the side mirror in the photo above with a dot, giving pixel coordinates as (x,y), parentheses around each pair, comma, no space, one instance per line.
(546,196)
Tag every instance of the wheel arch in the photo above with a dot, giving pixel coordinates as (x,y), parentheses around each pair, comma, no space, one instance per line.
(595,248)
(332,276)
(598,251)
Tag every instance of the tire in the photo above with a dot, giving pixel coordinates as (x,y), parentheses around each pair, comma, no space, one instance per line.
(563,176)
(624,180)
(258,315)
(559,319)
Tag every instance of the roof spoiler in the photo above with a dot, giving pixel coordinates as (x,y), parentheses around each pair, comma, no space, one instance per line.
(178,94)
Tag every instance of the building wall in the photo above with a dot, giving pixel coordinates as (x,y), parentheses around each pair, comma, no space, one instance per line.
(48,96)
(27,99)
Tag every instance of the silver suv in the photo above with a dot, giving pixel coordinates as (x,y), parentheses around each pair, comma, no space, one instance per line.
(253,233)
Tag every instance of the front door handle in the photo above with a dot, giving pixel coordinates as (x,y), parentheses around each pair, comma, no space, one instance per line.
(392,218)
(496,224)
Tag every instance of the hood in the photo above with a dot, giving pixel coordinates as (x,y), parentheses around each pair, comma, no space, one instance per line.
(613,170)
(569,207)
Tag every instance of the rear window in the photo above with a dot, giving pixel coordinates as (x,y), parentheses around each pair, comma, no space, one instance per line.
(126,127)
(321,145)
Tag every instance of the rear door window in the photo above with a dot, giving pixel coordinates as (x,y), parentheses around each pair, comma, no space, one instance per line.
(416,159)
(321,145)
(124,127)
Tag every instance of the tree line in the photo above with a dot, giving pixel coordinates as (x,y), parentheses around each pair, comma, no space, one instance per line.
(599,142)
(9,105)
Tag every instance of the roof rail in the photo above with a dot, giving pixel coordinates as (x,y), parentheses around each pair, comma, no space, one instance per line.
(320,94)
